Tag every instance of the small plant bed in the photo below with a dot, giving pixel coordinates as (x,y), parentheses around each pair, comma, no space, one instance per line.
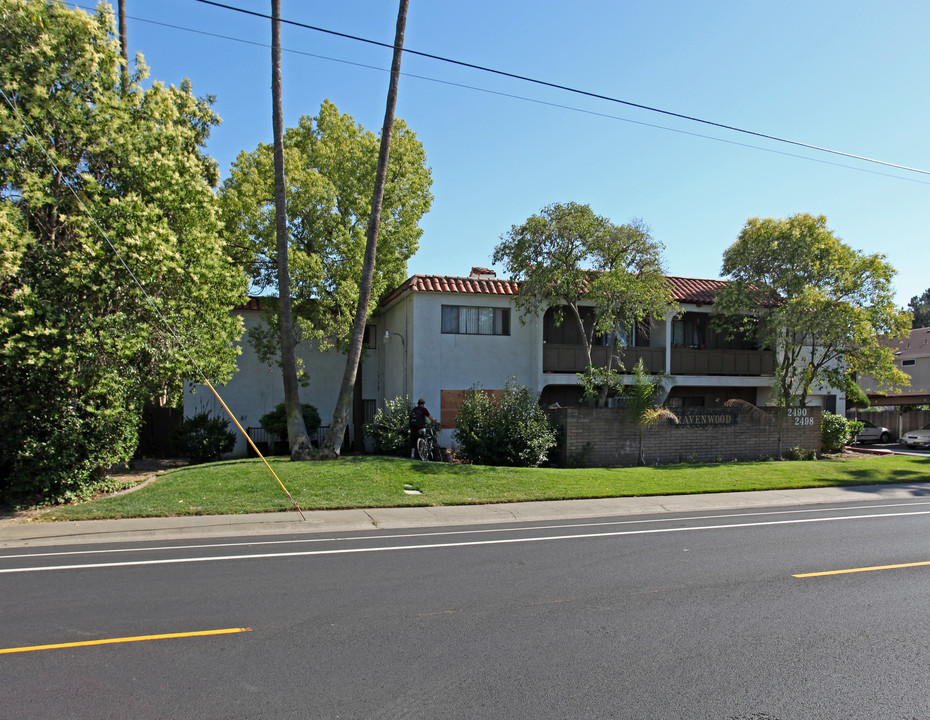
(246,486)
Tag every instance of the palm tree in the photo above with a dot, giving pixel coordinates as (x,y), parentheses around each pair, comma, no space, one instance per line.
(333,442)
(640,396)
(298,441)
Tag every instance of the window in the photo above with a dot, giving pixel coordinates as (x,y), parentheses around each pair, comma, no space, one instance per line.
(909,362)
(369,410)
(688,331)
(465,320)
(370,339)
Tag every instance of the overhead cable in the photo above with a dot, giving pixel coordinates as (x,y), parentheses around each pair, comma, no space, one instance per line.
(566,88)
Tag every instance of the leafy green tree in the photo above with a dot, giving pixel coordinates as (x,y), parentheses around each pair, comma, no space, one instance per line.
(855,396)
(567,258)
(87,171)
(599,383)
(820,305)
(920,307)
(330,165)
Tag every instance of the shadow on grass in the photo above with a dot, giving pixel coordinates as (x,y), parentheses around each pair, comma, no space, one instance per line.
(915,481)
(444,468)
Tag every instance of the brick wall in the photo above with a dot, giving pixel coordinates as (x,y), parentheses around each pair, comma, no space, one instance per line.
(703,434)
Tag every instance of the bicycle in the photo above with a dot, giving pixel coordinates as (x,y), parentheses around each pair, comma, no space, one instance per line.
(427,447)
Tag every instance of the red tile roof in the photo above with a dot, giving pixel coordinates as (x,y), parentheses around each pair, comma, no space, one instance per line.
(686,290)
(694,290)
(689,290)
(448,284)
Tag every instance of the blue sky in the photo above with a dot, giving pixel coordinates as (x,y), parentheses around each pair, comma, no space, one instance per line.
(848,75)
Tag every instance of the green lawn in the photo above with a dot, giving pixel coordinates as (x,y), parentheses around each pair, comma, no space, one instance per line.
(244,486)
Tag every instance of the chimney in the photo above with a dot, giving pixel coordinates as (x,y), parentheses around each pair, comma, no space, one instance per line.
(480,273)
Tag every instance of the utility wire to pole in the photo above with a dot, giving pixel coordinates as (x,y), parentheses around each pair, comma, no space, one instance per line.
(577,91)
(560,106)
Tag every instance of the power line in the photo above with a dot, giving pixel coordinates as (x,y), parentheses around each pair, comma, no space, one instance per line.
(566,88)
(527,99)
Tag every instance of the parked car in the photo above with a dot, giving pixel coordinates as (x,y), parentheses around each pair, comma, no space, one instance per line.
(917,437)
(874,433)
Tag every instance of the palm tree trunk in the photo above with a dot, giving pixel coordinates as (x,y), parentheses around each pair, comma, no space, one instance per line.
(123,44)
(298,441)
(332,444)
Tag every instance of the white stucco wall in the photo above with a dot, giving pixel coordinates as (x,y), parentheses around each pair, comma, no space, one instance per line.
(437,361)
(419,360)
(257,387)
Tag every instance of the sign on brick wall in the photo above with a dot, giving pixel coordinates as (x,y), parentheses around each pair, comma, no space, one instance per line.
(608,437)
(706,417)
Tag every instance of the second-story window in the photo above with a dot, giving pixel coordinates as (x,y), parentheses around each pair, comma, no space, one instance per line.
(465,320)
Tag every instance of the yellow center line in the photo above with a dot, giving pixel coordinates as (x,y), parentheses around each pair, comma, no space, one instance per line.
(137,638)
(862,569)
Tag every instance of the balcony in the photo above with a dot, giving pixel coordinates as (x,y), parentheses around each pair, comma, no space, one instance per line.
(691,361)
(685,361)
(572,358)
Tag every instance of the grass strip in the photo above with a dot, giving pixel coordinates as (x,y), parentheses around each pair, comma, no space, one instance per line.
(245,486)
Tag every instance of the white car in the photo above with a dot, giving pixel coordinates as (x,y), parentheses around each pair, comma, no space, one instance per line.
(874,433)
(917,437)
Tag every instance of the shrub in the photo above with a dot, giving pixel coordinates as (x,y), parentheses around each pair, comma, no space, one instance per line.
(836,431)
(511,430)
(390,428)
(203,437)
(799,453)
(275,422)
(55,449)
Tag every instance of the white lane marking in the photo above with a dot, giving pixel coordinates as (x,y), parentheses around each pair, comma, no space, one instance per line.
(433,546)
(443,533)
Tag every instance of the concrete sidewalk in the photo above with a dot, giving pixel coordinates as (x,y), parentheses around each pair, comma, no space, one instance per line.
(14,533)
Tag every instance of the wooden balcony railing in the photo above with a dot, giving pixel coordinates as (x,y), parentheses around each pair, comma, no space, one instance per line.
(572,358)
(685,361)
(688,361)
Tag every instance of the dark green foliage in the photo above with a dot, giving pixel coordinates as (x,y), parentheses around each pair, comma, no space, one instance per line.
(855,397)
(275,422)
(512,430)
(82,348)
(390,428)
(799,453)
(53,450)
(920,307)
(836,431)
(203,437)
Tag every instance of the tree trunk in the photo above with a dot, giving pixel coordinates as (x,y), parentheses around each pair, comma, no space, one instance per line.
(332,445)
(298,441)
(124,45)
(576,313)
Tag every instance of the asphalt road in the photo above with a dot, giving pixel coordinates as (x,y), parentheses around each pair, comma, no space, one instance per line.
(696,615)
